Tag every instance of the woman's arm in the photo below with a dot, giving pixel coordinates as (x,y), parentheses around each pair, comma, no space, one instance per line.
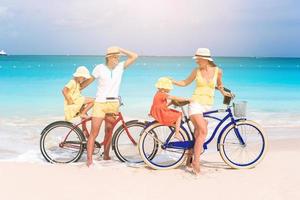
(87,82)
(187,81)
(132,56)
(65,92)
(220,86)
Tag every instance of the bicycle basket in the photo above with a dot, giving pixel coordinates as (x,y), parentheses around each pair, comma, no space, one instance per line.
(239,109)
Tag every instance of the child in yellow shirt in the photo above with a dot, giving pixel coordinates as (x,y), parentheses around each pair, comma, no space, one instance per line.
(75,104)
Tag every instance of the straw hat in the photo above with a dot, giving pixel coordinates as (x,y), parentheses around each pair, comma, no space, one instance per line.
(112,51)
(164,83)
(82,71)
(203,53)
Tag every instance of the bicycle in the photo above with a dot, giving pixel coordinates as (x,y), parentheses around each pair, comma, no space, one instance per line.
(241,143)
(65,142)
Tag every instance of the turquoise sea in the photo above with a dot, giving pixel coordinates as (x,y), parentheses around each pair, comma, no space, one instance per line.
(30,89)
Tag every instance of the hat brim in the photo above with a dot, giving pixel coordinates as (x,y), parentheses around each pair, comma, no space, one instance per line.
(206,58)
(161,86)
(87,76)
(113,54)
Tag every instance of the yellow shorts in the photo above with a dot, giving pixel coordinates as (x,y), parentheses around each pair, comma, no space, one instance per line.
(102,108)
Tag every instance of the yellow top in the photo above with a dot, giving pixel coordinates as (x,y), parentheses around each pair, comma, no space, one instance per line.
(72,110)
(205,90)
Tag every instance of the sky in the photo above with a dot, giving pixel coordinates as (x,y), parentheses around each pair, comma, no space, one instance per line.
(153,27)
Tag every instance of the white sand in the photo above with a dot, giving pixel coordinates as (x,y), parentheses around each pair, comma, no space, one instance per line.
(277,177)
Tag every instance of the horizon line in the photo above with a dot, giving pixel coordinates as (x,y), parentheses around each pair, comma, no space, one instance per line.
(218,56)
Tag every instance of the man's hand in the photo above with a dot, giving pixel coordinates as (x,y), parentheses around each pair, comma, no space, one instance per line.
(132,56)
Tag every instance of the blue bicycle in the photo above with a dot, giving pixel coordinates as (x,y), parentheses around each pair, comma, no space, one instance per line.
(240,142)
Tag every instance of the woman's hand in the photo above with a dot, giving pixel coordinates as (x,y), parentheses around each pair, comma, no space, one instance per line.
(173,81)
(228,94)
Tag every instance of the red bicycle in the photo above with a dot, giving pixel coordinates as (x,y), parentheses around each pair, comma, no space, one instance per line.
(65,142)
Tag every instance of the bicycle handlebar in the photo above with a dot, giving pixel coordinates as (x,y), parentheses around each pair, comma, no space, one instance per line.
(120,101)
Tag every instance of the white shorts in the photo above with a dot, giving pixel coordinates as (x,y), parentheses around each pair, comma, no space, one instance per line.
(197,108)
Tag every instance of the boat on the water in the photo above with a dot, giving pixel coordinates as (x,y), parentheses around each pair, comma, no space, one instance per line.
(3,53)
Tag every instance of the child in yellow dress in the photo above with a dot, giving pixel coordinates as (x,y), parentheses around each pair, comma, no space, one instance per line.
(74,101)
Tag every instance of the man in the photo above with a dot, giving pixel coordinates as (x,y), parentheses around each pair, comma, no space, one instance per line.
(109,76)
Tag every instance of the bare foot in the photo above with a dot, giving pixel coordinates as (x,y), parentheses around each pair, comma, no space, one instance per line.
(89,162)
(196,168)
(106,158)
(84,116)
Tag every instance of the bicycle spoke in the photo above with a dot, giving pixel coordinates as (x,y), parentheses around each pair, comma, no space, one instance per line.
(157,136)
(125,142)
(61,142)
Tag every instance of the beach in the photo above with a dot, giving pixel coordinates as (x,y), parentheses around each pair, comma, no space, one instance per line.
(31,89)
(56,55)
(274,178)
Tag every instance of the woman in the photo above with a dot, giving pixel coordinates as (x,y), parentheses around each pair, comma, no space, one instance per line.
(208,77)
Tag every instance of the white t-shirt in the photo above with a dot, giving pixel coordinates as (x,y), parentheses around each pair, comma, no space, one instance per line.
(109,81)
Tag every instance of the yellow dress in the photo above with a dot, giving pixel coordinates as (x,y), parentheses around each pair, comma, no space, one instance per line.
(205,90)
(72,110)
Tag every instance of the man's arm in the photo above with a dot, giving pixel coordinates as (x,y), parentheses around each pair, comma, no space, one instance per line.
(131,57)
(87,82)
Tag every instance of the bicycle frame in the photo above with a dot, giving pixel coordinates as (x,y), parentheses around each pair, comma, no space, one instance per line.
(189,144)
(86,133)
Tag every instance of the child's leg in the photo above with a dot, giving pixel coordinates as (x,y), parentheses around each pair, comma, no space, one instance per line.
(177,128)
(89,102)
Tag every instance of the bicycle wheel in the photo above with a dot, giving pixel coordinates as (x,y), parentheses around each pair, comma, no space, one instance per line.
(125,143)
(155,136)
(62,142)
(238,155)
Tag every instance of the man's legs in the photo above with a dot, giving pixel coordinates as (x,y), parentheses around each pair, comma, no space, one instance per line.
(109,121)
(96,124)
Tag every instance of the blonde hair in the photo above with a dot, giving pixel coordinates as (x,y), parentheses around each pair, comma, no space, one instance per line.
(212,63)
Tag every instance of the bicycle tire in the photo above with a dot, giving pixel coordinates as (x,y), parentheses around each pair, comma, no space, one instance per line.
(123,147)
(178,156)
(227,139)
(78,142)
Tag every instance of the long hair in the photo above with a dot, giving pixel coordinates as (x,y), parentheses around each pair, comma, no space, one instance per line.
(212,63)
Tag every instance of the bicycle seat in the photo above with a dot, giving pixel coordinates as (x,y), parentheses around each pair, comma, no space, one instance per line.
(180,103)
(111,115)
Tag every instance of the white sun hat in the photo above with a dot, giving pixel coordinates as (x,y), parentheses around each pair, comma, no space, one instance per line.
(203,53)
(82,71)
(164,83)
(113,51)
